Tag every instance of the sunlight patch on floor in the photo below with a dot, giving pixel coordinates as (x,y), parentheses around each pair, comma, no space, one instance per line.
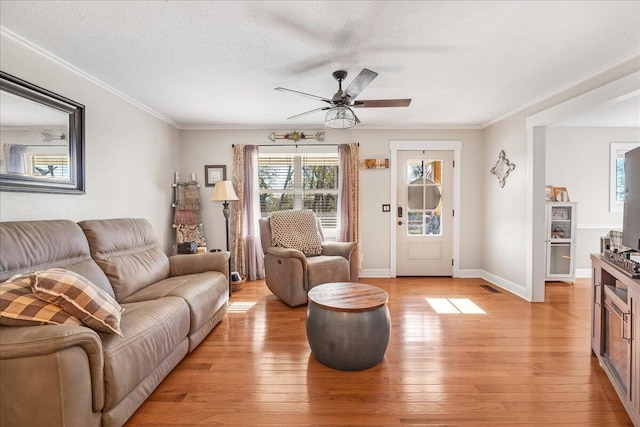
(454,306)
(240,306)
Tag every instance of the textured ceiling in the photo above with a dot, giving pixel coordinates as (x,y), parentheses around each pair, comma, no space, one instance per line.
(201,64)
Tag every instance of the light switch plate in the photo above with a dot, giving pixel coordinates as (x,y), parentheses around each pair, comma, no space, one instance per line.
(386,208)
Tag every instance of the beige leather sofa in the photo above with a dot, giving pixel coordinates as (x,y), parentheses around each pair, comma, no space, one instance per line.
(61,375)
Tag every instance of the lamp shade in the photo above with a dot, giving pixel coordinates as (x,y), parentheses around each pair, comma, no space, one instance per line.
(340,118)
(224,192)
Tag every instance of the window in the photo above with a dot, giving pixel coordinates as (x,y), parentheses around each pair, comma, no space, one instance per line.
(424,189)
(50,166)
(300,181)
(616,179)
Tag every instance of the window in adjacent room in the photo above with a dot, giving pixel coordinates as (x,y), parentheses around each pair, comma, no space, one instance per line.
(300,181)
(50,166)
(616,169)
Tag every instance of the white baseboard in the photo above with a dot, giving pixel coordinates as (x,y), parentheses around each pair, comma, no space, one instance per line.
(375,272)
(583,272)
(385,272)
(472,274)
(505,284)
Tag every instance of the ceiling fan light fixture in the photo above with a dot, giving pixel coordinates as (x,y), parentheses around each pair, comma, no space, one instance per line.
(340,118)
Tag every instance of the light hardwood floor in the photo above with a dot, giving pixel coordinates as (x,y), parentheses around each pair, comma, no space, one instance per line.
(520,364)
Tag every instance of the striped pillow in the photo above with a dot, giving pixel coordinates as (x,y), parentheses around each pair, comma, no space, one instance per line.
(78,297)
(20,307)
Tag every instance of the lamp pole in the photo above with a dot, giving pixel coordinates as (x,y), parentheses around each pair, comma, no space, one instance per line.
(223,193)
(225,212)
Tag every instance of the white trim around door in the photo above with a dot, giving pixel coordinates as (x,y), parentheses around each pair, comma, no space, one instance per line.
(456,147)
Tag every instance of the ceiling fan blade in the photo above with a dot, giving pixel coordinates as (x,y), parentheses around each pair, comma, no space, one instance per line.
(308,95)
(360,82)
(373,103)
(309,112)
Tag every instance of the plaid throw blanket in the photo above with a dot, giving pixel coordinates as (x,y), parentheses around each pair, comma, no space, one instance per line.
(296,229)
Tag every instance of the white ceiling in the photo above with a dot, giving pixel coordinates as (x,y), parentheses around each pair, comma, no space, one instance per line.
(206,64)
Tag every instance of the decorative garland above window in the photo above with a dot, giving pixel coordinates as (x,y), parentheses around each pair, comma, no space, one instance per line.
(296,136)
(502,168)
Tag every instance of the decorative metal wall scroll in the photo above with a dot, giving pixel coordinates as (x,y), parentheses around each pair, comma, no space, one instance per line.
(296,136)
(502,168)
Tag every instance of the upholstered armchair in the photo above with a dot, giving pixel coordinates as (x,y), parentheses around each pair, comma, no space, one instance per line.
(290,274)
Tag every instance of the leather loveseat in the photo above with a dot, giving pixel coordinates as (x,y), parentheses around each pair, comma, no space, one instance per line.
(69,375)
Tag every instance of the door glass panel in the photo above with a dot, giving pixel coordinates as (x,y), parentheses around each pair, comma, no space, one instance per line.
(424,197)
(415,223)
(560,259)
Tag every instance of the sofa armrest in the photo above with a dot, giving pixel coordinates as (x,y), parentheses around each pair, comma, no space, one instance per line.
(343,249)
(346,250)
(279,252)
(181,265)
(25,342)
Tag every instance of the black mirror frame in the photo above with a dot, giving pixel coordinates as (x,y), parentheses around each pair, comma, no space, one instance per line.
(75,185)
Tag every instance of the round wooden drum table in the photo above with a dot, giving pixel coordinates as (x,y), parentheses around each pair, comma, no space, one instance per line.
(348,325)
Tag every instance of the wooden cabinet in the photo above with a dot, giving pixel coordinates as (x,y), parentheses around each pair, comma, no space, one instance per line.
(634,302)
(615,331)
(560,241)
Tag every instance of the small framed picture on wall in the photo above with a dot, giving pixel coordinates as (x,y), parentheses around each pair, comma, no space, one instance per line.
(214,173)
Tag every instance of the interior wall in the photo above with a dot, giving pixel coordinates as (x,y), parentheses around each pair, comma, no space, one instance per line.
(130,154)
(213,147)
(568,150)
(509,259)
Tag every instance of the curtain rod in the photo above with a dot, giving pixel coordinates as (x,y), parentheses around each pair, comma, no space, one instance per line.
(295,145)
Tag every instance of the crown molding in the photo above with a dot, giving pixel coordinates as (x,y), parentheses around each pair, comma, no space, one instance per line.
(75,70)
(558,90)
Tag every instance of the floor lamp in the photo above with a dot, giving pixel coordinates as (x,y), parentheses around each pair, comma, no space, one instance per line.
(224,193)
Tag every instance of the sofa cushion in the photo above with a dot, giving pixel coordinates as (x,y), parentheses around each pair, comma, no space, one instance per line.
(78,297)
(128,252)
(151,330)
(205,293)
(19,306)
(29,246)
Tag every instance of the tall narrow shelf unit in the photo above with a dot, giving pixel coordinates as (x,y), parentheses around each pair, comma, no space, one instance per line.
(560,241)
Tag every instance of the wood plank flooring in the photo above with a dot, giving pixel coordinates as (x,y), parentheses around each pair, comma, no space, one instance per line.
(519,364)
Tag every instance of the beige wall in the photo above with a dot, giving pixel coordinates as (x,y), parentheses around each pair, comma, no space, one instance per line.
(578,158)
(506,252)
(201,147)
(130,154)
(131,157)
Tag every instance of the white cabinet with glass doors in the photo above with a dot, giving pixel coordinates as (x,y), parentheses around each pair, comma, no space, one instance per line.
(560,240)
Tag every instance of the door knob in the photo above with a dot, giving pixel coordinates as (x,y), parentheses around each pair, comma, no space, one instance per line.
(399,222)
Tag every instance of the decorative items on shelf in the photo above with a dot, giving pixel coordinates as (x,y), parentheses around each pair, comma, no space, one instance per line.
(502,168)
(556,194)
(186,218)
(548,194)
(375,164)
(560,194)
(296,136)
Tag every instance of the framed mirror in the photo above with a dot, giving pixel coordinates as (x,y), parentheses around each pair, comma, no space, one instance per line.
(41,139)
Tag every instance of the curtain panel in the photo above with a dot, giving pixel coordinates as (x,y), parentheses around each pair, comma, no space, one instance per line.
(349,194)
(247,248)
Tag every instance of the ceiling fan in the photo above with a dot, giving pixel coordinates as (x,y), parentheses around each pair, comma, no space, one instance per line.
(339,108)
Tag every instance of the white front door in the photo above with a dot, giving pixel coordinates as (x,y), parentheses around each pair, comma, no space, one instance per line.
(424,216)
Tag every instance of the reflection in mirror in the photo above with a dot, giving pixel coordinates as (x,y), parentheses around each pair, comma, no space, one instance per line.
(41,140)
